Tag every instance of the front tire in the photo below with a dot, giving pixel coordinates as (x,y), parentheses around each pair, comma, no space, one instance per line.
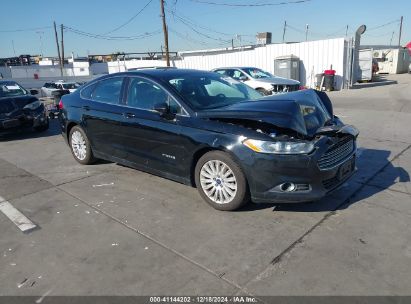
(80,146)
(221,182)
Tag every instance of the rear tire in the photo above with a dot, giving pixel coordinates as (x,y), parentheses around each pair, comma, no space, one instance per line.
(80,146)
(221,182)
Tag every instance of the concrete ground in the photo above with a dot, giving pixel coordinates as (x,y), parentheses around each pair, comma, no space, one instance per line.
(110,230)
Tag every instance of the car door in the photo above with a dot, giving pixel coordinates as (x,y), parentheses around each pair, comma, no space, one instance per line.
(45,90)
(153,140)
(102,115)
(53,87)
(243,77)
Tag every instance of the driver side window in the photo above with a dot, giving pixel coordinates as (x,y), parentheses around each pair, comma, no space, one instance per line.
(145,94)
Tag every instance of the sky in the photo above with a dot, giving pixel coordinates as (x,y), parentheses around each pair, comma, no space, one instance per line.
(94,27)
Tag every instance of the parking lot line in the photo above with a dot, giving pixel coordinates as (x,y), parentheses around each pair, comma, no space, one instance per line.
(18,218)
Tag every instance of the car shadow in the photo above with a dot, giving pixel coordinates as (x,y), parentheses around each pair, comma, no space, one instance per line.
(377,81)
(370,163)
(53,130)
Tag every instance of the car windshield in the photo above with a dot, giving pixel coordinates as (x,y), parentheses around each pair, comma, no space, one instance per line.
(70,86)
(257,73)
(11,89)
(211,91)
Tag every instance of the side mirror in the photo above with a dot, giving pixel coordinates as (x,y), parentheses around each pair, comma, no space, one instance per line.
(34,92)
(161,108)
(164,110)
(243,78)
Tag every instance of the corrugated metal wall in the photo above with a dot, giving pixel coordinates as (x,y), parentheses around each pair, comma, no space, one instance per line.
(315,56)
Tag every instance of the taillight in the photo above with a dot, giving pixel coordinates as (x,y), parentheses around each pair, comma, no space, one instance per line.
(61,106)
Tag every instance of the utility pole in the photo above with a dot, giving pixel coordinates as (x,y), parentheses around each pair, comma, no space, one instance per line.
(165,30)
(392,37)
(346,31)
(306,32)
(41,42)
(62,46)
(14,50)
(58,48)
(399,36)
(285,27)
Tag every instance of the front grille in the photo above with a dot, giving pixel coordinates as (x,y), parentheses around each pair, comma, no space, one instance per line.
(337,153)
(280,88)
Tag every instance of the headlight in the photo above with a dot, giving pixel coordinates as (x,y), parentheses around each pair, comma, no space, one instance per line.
(279,147)
(32,106)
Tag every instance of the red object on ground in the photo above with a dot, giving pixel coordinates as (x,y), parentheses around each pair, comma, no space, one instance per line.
(408,46)
(36,76)
(329,72)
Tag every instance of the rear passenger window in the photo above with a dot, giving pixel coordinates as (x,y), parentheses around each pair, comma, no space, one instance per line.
(87,91)
(108,90)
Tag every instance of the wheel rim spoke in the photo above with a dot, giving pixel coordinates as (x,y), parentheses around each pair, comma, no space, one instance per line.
(78,144)
(218,181)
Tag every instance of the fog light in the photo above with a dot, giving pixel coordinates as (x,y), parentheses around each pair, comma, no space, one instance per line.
(288,187)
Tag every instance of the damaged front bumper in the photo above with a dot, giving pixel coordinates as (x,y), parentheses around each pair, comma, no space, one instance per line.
(300,178)
(25,120)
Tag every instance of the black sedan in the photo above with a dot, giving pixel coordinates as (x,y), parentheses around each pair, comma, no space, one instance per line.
(19,109)
(210,131)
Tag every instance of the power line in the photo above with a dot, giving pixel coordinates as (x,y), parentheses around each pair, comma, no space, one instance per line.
(26,29)
(191,27)
(98,36)
(129,20)
(249,4)
(190,21)
(186,37)
(383,25)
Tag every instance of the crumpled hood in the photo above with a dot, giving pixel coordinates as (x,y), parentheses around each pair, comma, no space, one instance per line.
(278,80)
(19,101)
(303,111)
(14,105)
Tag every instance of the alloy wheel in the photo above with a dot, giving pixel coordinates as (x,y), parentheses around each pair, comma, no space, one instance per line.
(218,181)
(78,144)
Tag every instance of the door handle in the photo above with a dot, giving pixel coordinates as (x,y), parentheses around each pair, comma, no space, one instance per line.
(129,115)
(87,108)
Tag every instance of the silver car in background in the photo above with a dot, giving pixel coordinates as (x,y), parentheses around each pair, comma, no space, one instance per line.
(262,81)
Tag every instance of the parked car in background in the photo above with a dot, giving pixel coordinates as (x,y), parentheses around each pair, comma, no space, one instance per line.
(19,109)
(262,81)
(213,132)
(49,87)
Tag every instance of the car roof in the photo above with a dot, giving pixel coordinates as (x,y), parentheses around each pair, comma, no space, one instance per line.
(237,67)
(165,72)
